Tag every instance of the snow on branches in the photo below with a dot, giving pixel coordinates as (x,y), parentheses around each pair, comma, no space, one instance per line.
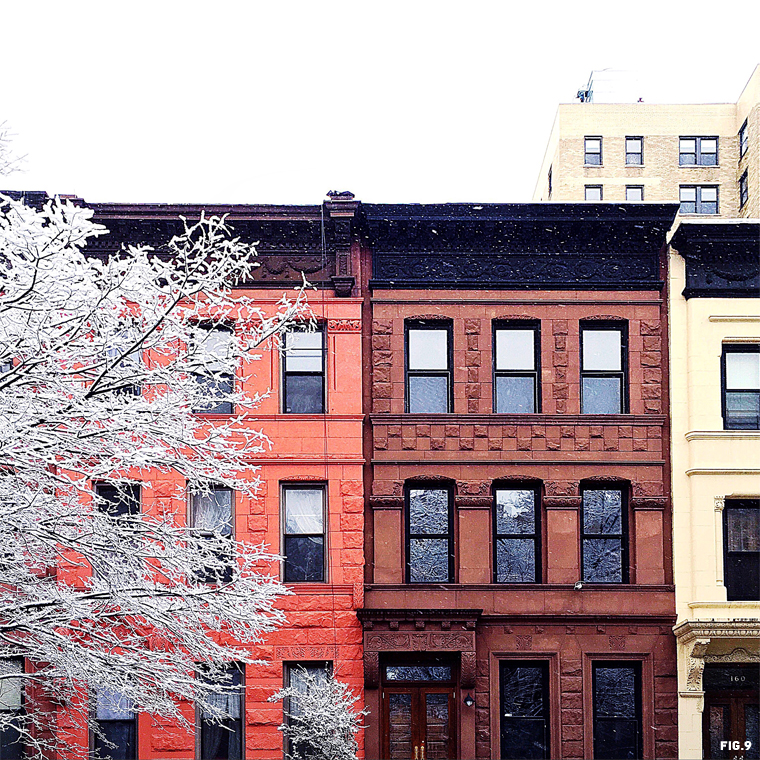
(321,719)
(103,366)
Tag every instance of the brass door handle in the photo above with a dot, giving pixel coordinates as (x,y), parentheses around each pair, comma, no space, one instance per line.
(416,752)
(422,751)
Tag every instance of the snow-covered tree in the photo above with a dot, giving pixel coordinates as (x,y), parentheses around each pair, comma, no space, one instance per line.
(103,364)
(321,717)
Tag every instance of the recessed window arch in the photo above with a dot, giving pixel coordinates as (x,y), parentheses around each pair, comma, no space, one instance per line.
(429,521)
(605,531)
(517,532)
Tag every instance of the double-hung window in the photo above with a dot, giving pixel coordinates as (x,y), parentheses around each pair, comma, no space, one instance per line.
(118,502)
(116,719)
(517,546)
(741,549)
(428,368)
(741,387)
(430,535)
(604,531)
(302,678)
(11,708)
(634,151)
(634,193)
(592,151)
(213,353)
(617,710)
(516,369)
(744,189)
(524,708)
(303,372)
(211,515)
(224,740)
(698,199)
(698,151)
(125,374)
(304,533)
(603,368)
(743,138)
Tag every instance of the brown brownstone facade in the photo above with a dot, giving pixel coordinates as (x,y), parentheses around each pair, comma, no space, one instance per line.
(472,623)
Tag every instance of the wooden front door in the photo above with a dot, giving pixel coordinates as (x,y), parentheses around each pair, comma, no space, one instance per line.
(731,727)
(419,723)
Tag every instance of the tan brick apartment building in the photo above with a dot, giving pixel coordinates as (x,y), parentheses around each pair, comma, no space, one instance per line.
(704,156)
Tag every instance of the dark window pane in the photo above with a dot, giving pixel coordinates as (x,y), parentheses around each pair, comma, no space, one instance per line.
(429,560)
(215,388)
(602,560)
(428,395)
(117,501)
(615,692)
(11,748)
(728,678)
(743,529)
(418,672)
(751,732)
(524,711)
(522,689)
(602,511)
(304,394)
(602,395)
(515,560)
(742,576)
(515,511)
(122,734)
(304,558)
(616,739)
(515,395)
(428,511)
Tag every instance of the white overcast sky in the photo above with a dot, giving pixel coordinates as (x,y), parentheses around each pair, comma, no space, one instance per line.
(279,102)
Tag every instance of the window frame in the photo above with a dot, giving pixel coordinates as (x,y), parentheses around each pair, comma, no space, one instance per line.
(21,712)
(744,138)
(698,153)
(549,178)
(240,667)
(310,486)
(448,373)
(737,593)
(536,535)
(637,666)
(586,188)
(622,373)
(624,535)
(428,486)
(285,373)
(639,153)
(535,326)
(634,187)
(546,666)
(744,189)
(287,670)
(93,738)
(587,152)
(734,348)
(698,202)
(191,522)
(201,378)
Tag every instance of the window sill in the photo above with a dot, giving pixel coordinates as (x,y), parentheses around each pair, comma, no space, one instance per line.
(726,435)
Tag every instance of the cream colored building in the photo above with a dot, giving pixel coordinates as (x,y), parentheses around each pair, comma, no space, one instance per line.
(715,387)
(705,156)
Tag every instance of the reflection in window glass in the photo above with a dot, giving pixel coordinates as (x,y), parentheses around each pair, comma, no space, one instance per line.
(524,708)
(516,534)
(418,672)
(117,721)
(617,710)
(602,370)
(429,557)
(214,350)
(428,370)
(11,707)
(304,533)
(225,739)
(603,537)
(741,549)
(303,373)
(741,391)
(515,370)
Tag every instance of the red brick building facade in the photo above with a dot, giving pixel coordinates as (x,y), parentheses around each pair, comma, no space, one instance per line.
(461,633)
